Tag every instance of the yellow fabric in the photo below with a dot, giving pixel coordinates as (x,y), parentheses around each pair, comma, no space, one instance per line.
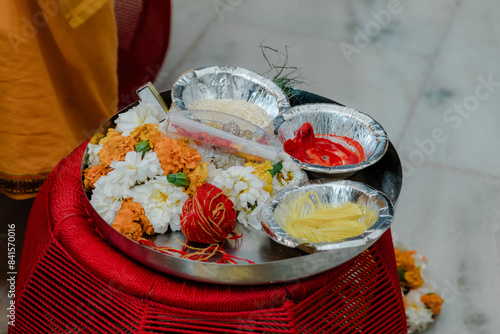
(78,11)
(58,84)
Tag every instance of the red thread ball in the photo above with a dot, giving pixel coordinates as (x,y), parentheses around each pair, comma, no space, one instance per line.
(209,216)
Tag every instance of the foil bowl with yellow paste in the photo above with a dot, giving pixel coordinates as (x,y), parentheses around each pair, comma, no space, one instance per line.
(329,192)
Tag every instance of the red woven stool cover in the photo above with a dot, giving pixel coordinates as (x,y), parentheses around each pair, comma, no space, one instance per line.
(72,281)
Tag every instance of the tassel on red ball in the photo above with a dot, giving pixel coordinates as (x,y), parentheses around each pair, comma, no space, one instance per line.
(209,217)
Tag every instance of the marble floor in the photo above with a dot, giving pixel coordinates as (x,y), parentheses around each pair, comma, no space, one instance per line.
(428,71)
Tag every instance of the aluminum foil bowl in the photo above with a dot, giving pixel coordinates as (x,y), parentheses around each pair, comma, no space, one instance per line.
(328,118)
(228,82)
(336,192)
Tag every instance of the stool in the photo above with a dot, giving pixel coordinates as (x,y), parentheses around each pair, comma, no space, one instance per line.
(71,280)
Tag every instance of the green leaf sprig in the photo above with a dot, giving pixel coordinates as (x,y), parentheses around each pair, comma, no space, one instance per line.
(288,78)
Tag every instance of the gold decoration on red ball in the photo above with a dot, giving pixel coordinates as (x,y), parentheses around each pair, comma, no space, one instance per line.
(209,216)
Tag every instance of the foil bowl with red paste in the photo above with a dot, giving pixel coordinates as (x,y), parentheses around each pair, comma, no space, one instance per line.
(303,129)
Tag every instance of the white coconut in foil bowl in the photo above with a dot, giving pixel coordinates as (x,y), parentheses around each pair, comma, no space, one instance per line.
(333,121)
(235,90)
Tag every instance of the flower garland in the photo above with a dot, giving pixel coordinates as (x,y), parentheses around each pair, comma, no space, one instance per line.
(421,300)
(141,179)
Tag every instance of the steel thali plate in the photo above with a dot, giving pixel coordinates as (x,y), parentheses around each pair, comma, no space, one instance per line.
(274,263)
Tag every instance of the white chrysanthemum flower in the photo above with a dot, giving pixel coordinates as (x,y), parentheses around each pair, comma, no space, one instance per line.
(222,159)
(239,184)
(162,203)
(290,175)
(418,317)
(107,197)
(249,217)
(245,190)
(212,171)
(93,158)
(135,168)
(144,113)
(421,264)
(429,285)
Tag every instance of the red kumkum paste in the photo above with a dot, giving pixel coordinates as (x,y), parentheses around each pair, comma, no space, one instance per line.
(315,149)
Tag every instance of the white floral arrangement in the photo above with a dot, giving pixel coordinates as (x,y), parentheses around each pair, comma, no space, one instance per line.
(137,162)
(421,297)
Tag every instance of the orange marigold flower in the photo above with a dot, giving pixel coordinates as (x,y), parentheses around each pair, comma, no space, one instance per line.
(147,132)
(196,178)
(110,134)
(115,147)
(404,302)
(92,174)
(413,279)
(132,221)
(176,156)
(433,301)
(404,260)
(100,134)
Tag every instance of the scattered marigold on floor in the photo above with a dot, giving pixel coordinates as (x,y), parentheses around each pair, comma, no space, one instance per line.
(420,299)
(404,259)
(433,301)
(413,278)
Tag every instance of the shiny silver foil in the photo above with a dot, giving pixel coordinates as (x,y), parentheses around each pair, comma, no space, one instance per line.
(339,120)
(336,192)
(228,82)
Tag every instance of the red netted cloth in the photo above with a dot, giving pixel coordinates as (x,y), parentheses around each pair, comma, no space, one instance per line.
(72,281)
(143,36)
